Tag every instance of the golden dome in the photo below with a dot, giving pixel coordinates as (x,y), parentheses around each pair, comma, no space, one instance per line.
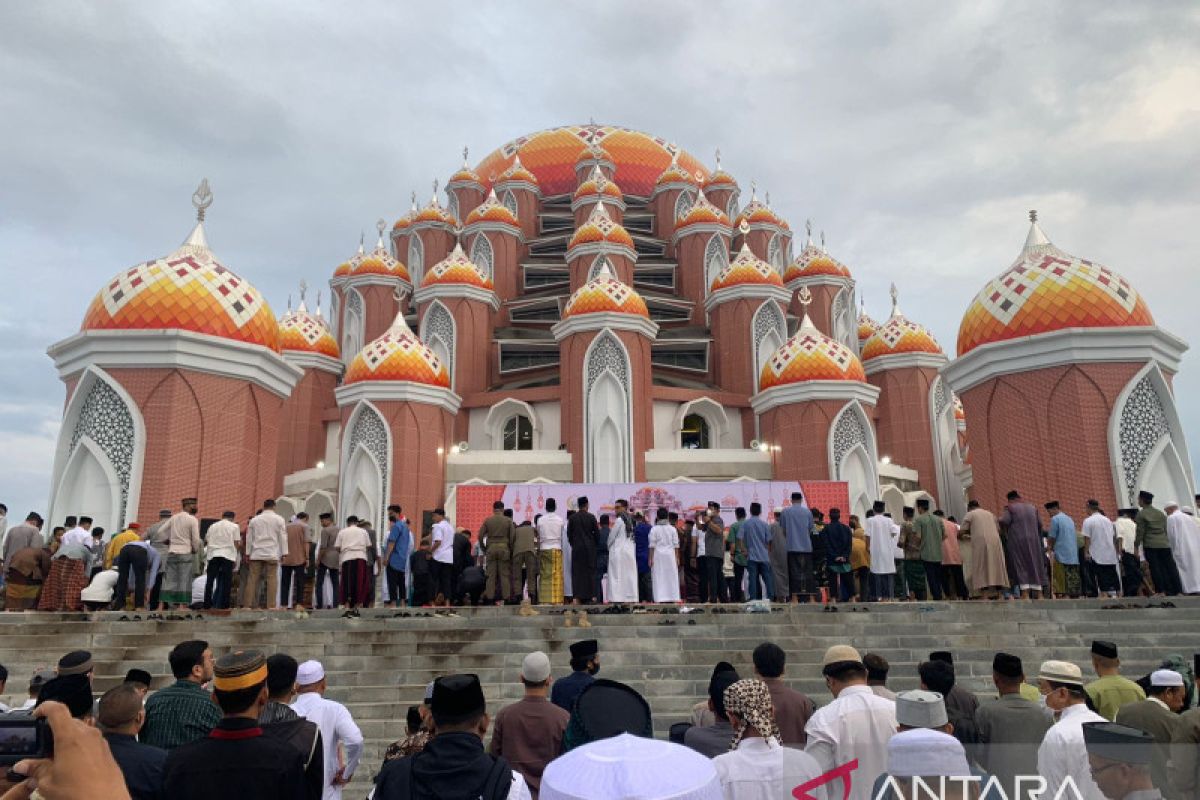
(600,227)
(746,269)
(811,356)
(456,269)
(303,332)
(398,355)
(605,294)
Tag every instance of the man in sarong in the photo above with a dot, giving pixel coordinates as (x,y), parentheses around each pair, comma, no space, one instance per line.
(27,571)
(1025,555)
(183,543)
(69,570)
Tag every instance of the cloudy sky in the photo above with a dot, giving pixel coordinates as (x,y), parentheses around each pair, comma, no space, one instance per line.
(917,135)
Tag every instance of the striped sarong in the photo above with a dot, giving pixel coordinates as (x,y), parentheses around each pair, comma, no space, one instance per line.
(67,579)
(550,586)
(20,593)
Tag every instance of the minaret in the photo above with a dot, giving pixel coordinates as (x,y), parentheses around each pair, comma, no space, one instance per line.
(307,344)
(604,344)
(903,360)
(494,242)
(432,236)
(397,418)
(735,297)
(814,414)
(701,242)
(465,190)
(519,192)
(674,192)
(832,288)
(598,240)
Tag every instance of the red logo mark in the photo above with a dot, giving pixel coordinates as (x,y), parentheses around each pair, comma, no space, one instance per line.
(801,792)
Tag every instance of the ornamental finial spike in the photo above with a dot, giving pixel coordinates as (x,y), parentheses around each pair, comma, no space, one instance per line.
(767,198)
(318,303)
(1033,215)
(753,189)
(202,198)
(380,225)
(434,200)
(718,160)
(822,240)
(895,301)
(303,289)
(414,200)
(808,228)
(289,305)
(744,227)
(805,297)
(466,153)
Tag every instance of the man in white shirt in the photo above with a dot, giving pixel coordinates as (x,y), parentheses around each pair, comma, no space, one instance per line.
(856,725)
(882,545)
(338,731)
(352,544)
(1062,758)
(182,533)
(550,553)
(443,555)
(266,544)
(1100,546)
(221,553)
(80,535)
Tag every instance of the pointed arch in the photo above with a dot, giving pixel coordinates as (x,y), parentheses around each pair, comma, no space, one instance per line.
(768,333)
(102,418)
(716,258)
(509,201)
(505,410)
(853,456)
(775,254)
(352,325)
(607,412)
(845,327)
(482,254)
(1147,446)
(684,203)
(452,204)
(366,465)
(946,454)
(731,207)
(440,332)
(598,263)
(416,258)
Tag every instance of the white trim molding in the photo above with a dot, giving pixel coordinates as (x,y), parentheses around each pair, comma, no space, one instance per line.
(303,359)
(747,291)
(814,390)
(491,226)
(604,246)
(712,412)
(1069,346)
(390,282)
(398,391)
(602,321)
(903,361)
(501,412)
(174,348)
(451,291)
(717,228)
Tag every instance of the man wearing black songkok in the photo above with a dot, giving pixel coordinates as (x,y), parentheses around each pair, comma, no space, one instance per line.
(1009,729)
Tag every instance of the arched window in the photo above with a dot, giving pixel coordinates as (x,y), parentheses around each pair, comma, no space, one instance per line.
(694,435)
(452,204)
(683,204)
(416,258)
(481,254)
(716,258)
(518,433)
(510,202)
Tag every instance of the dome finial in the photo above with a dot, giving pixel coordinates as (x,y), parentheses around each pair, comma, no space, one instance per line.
(466,153)
(1036,237)
(753,190)
(822,241)
(433,201)
(289,303)
(318,304)
(303,290)
(896,302)
(202,198)
(414,202)
(805,297)
(718,169)
(380,225)
(362,242)
(767,199)
(1033,215)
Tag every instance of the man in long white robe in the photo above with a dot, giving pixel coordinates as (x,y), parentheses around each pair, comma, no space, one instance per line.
(664,560)
(881,543)
(1184,534)
(622,561)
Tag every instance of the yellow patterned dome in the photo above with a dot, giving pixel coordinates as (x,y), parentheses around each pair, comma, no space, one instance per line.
(746,269)
(435,213)
(378,262)
(186,290)
(407,220)
(456,269)
(598,186)
(605,294)
(866,326)
(492,210)
(899,335)
(398,355)
(720,179)
(810,356)
(1047,290)
(675,173)
(593,152)
(814,261)
(302,332)
(517,172)
(758,213)
(464,174)
(702,212)
(600,227)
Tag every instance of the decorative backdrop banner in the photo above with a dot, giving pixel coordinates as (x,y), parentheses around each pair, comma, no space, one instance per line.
(474,501)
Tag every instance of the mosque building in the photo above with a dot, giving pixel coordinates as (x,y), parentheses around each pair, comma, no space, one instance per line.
(593,304)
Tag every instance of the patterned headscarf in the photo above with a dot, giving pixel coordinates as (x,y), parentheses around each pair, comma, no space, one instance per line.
(750,699)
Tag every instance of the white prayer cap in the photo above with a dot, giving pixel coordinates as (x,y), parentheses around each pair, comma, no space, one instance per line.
(536,667)
(923,752)
(309,672)
(1170,504)
(1166,677)
(628,766)
(1061,672)
(921,709)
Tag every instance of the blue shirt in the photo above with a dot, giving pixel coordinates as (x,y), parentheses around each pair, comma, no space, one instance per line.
(401,537)
(755,533)
(641,546)
(1066,546)
(797,522)
(566,690)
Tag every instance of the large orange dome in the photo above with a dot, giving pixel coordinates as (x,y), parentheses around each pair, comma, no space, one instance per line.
(303,332)
(187,290)
(1047,290)
(551,155)
(605,294)
(398,355)
(811,356)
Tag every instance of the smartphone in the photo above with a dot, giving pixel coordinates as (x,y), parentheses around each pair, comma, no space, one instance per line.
(23,736)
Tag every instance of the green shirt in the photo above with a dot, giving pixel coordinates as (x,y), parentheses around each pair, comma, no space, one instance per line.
(1151,528)
(738,557)
(1111,692)
(178,714)
(932,532)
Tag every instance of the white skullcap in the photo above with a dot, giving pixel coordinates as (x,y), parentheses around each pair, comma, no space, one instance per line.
(536,667)
(923,752)
(1166,677)
(921,709)
(1171,504)
(628,766)
(309,672)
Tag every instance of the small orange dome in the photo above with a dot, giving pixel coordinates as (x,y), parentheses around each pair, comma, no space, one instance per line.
(187,290)
(302,332)
(407,219)
(674,173)
(702,212)
(464,174)
(492,210)
(813,261)
(899,335)
(746,269)
(516,172)
(593,152)
(605,294)
(378,262)
(1047,290)
(811,356)
(866,327)
(398,355)
(600,227)
(757,213)
(598,186)
(434,213)
(456,269)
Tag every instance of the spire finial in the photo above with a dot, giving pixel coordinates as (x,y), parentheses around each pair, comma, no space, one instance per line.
(1033,215)
(434,201)
(289,304)
(805,297)
(414,200)
(202,198)
(822,240)
(362,241)
(767,198)
(718,169)
(1036,238)
(380,225)
(303,289)
(318,303)
(808,229)
(753,190)
(895,293)
(466,153)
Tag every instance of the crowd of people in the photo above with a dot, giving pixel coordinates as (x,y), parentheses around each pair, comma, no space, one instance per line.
(247,725)
(796,553)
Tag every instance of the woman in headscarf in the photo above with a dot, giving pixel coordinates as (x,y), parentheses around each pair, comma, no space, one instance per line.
(758,767)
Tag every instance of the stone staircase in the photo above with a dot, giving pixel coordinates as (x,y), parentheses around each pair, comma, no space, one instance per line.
(378,664)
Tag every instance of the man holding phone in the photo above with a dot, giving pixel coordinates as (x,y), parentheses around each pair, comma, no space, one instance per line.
(713,528)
